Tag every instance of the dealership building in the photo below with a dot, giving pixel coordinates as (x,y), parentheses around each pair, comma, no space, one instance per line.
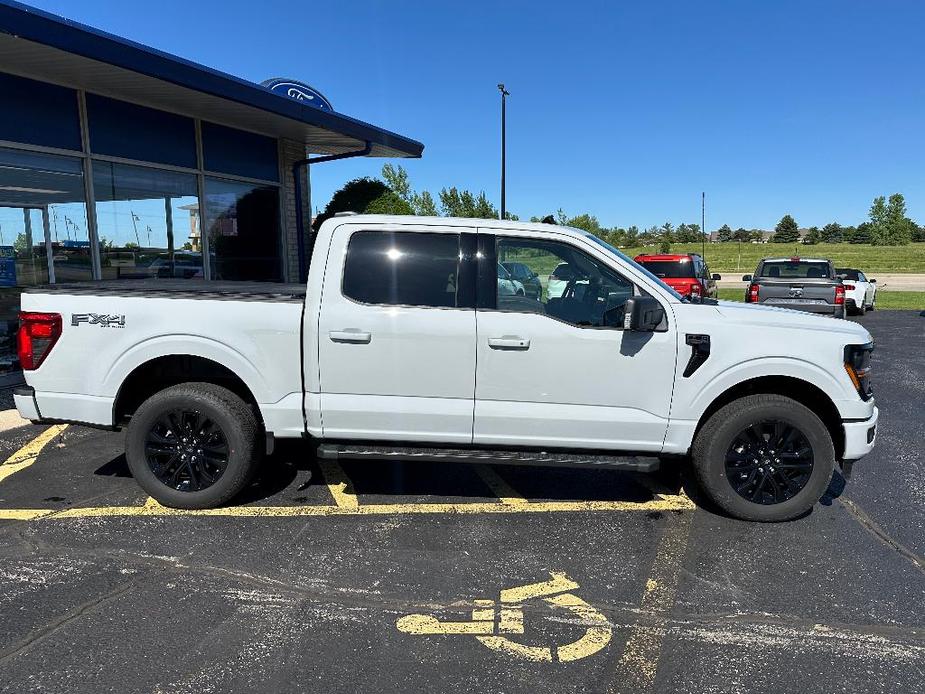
(119,161)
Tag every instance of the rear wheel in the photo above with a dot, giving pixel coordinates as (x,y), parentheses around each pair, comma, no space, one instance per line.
(193,445)
(764,458)
(862,309)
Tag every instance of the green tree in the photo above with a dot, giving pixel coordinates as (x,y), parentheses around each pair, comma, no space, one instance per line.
(724,234)
(918,233)
(631,237)
(20,245)
(586,222)
(898,226)
(456,203)
(813,236)
(832,233)
(389,202)
(354,196)
(424,205)
(396,178)
(742,235)
(862,233)
(786,231)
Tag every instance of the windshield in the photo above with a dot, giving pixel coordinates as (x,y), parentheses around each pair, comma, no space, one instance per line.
(795,269)
(669,268)
(849,274)
(620,254)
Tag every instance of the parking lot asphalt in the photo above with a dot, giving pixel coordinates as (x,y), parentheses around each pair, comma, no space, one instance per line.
(416,577)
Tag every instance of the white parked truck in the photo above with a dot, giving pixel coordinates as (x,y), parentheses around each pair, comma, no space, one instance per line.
(400,344)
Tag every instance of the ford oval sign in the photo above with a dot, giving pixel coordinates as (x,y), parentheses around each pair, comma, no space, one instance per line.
(298,91)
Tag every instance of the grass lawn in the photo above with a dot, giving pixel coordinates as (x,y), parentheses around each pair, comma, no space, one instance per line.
(725,257)
(885,300)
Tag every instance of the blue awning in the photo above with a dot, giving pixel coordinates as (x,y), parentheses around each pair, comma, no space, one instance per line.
(43,46)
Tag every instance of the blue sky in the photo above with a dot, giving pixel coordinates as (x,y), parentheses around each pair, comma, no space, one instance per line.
(626,110)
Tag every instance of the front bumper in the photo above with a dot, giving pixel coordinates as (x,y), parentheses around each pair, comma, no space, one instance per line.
(860,436)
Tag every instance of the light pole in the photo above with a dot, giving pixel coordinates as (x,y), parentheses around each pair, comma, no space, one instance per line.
(504,93)
(703,224)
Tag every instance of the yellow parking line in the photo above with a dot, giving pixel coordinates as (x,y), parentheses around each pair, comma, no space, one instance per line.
(28,454)
(638,664)
(340,486)
(499,487)
(676,503)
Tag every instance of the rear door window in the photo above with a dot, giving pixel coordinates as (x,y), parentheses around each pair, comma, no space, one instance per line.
(399,268)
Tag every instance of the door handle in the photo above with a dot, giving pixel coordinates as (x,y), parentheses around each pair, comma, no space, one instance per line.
(509,342)
(350,335)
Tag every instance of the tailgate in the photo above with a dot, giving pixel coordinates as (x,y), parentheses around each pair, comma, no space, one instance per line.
(797,291)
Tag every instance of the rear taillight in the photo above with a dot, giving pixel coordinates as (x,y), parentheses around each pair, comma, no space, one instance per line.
(839,294)
(751,294)
(38,333)
(696,289)
(849,287)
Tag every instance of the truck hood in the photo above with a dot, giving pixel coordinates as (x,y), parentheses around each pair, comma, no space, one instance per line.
(770,316)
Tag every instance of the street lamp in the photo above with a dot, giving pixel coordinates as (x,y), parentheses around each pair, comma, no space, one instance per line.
(504,93)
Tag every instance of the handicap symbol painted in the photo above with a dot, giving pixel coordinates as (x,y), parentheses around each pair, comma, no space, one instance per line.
(493,621)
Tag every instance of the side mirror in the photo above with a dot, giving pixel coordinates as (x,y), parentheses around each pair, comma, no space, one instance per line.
(746,278)
(717,277)
(873,281)
(642,314)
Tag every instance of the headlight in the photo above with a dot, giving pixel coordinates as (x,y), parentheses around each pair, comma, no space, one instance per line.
(857,364)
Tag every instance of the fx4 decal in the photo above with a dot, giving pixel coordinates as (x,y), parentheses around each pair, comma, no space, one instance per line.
(104,320)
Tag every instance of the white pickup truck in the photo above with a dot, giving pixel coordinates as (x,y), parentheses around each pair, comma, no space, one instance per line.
(401,344)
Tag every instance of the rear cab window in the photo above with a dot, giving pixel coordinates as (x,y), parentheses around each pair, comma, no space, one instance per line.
(670,268)
(796,269)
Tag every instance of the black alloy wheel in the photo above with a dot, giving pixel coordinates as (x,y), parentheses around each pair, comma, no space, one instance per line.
(769,462)
(186,450)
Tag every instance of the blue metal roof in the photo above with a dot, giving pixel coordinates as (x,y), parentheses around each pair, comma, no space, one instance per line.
(25,22)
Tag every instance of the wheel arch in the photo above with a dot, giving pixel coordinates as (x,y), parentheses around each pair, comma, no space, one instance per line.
(168,370)
(802,391)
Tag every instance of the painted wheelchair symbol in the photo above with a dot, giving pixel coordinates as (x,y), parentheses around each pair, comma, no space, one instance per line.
(494,620)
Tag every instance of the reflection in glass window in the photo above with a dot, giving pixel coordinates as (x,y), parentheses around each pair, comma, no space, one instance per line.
(403,268)
(41,201)
(242,221)
(558,280)
(148,223)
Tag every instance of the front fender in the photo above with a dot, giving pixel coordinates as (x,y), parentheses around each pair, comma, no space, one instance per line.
(845,399)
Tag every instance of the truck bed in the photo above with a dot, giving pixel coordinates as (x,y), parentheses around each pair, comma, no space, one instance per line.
(274,292)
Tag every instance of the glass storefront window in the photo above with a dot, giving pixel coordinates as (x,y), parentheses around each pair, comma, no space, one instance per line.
(242,221)
(147,221)
(41,205)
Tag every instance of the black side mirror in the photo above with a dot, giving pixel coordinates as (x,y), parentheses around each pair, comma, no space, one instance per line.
(873,281)
(643,314)
(746,278)
(717,277)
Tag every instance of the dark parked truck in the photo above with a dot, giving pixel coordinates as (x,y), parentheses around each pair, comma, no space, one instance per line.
(804,284)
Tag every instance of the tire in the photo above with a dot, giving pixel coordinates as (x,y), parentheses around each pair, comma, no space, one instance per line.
(222,429)
(721,437)
(862,309)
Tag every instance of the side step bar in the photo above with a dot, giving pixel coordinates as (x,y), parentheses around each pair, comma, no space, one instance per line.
(334,451)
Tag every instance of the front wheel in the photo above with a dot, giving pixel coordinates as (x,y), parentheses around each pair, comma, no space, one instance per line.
(764,458)
(193,445)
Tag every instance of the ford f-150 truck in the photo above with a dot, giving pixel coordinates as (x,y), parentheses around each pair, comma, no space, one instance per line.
(401,344)
(803,284)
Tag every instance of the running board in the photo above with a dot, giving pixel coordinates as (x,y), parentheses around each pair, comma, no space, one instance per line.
(334,451)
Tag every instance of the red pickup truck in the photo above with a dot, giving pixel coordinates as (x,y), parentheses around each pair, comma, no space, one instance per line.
(686,273)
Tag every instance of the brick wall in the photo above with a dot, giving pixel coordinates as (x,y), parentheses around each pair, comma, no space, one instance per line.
(291,151)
